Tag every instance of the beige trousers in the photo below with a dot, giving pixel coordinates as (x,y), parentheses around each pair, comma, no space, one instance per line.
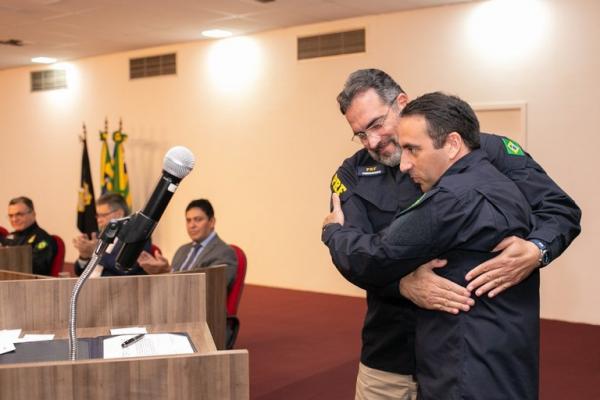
(374,384)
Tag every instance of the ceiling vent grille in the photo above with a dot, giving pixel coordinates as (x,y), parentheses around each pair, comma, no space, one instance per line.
(331,44)
(165,64)
(48,80)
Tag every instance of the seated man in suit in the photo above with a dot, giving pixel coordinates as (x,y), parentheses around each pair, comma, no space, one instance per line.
(27,232)
(108,206)
(205,249)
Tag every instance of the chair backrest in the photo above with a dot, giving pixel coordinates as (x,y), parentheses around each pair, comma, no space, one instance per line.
(235,294)
(154,249)
(3,231)
(59,257)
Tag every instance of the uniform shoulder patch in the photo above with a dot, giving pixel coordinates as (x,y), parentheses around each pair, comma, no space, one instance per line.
(337,186)
(372,170)
(41,245)
(512,148)
(31,239)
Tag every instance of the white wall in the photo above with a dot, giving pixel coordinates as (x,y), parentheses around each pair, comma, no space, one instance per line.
(266,150)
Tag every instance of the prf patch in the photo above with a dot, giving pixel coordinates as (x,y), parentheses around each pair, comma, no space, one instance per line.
(42,245)
(370,171)
(337,186)
(512,148)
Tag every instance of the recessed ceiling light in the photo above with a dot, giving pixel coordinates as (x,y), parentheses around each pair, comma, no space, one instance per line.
(216,33)
(43,60)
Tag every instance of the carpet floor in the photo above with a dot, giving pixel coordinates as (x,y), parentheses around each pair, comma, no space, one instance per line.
(306,345)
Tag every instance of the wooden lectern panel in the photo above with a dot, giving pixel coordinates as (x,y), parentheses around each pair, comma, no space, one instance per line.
(161,303)
(106,302)
(16,258)
(214,376)
(13,276)
(216,301)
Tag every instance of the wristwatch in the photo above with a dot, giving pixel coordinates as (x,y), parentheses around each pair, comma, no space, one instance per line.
(544,258)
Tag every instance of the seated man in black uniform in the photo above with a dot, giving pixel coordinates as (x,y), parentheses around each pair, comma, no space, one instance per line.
(27,232)
(108,206)
(467,208)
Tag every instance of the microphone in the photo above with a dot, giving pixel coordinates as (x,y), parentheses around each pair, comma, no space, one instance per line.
(177,164)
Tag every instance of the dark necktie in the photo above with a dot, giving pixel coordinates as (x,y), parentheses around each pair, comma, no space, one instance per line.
(188,263)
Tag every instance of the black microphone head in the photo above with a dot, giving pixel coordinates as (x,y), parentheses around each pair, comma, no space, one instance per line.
(179,161)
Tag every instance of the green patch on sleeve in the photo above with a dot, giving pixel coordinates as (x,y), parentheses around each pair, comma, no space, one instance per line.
(512,148)
(41,245)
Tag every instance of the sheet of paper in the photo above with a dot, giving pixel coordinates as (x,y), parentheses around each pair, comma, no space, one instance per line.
(153,344)
(7,338)
(128,331)
(6,346)
(30,337)
(9,335)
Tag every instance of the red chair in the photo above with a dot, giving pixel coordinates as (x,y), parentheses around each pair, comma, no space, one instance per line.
(3,231)
(59,257)
(234,296)
(155,249)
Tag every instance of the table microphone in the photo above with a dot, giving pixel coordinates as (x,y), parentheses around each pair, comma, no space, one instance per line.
(177,164)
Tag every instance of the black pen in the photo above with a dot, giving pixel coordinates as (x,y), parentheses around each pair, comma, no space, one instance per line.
(133,340)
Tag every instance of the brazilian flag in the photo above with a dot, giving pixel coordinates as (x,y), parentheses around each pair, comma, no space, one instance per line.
(86,206)
(106,163)
(120,179)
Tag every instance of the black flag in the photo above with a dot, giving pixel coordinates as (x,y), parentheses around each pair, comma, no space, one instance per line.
(86,206)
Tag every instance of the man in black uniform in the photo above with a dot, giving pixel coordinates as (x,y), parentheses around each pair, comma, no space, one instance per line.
(467,208)
(372,189)
(27,232)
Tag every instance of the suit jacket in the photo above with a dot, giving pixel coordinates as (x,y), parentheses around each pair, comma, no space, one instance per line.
(216,252)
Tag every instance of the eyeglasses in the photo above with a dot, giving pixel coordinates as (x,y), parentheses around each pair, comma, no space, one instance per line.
(374,127)
(19,214)
(104,215)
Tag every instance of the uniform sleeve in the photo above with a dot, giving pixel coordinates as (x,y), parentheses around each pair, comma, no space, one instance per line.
(556,217)
(437,223)
(378,260)
(356,218)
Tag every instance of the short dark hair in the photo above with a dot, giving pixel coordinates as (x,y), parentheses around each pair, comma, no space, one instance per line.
(202,204)
(364,79)
(114,201)
(22,200)
(445,114)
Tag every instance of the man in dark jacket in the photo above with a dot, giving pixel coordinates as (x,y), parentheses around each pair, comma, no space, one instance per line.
(372,190)
(108,206)
(467,209)
(27,232)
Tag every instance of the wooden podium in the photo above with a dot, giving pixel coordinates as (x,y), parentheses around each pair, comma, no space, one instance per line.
(161,303)
(16,258)
(12,275)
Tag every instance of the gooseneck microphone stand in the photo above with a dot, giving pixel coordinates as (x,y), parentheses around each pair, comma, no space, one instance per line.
(106,238)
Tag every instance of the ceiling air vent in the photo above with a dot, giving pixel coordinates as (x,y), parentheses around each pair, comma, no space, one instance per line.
(331,44)
(165,64)
(48,80)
